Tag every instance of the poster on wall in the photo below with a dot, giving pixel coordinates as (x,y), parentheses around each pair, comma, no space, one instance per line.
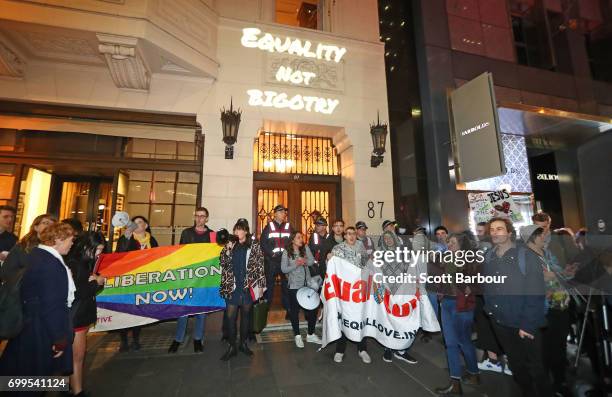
(488,205)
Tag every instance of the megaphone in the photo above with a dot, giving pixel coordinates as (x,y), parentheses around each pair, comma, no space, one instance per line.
(122,219)
(308,298)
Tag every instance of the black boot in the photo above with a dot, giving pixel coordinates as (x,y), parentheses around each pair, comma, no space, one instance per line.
(174,347)
(124,346)
(231,352)
(453,389)
(197,346)
(136,345)
(245,349)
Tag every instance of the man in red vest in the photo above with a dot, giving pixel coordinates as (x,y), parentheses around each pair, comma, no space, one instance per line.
(318,246)
(274,239)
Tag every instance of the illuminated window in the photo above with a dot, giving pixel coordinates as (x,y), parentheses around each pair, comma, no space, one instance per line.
(304,14)
(282,153)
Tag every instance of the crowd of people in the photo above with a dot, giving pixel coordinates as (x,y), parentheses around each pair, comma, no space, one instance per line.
(521,326)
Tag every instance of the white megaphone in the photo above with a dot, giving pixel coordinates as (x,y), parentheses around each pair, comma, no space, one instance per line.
(122,219)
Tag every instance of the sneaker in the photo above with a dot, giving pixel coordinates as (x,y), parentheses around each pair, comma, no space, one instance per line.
(388,356)
(488,365)
(299,342)
(405,357)
(313,338)
(507,370)
(365,357)
(338,357)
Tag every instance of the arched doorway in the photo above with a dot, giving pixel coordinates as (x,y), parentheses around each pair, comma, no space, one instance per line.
(302,173)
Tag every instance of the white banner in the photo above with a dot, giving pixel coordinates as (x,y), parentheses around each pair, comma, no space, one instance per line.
(350,308)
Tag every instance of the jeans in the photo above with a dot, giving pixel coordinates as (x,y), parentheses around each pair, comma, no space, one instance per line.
(294,314)
(272,270)
(525,359)
(181,327)
(433,299)
(457,331)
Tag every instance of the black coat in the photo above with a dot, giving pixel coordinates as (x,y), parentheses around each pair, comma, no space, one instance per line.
(15,261)
(125,245)
(84,310)
(44,291)
(190,236)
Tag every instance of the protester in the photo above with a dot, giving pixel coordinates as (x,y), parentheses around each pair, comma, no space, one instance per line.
(296,263)
(44,345)
(76,225)
(561,246)
(362,235)
(242,274)
(420,242)
(274,240)
(389,226)
(441,236)
(199,233)
(396,268)
(336,237)
(318,247)
(483,239)
(352,251)
(516,307)
(81,260)
(554,336)
(457,312)
(16,259)
(139,239)
(7,238)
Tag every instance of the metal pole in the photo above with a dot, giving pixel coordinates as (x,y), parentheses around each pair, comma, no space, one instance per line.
(586,317)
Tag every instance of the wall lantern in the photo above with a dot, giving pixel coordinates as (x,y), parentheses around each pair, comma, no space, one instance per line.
(230,121)
(379,139)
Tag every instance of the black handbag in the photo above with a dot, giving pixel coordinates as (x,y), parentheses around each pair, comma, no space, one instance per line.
(259,319)
(11,306)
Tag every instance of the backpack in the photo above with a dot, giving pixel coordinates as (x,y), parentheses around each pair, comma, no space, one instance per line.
(522,261)
(11,307)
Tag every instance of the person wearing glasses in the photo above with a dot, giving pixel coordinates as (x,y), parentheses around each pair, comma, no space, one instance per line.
(198,233)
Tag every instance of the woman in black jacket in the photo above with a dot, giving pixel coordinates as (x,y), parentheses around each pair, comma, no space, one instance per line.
(139,238)
(81,261)
(44,345)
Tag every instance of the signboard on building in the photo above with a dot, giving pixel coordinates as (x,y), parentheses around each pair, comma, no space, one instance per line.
(477,145)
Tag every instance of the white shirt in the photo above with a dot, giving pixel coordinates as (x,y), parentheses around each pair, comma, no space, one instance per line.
(71,286)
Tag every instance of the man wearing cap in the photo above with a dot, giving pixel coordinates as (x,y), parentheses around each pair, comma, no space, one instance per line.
(274,239)
(317,245)
(368,243)
(389,226)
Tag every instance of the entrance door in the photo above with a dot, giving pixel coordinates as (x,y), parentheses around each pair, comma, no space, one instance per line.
(89,200)
(305,200)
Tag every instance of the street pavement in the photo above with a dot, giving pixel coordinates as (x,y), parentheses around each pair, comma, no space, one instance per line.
(276,369)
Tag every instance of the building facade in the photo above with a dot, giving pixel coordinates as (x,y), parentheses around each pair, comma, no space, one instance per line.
(550,63)
(115,105)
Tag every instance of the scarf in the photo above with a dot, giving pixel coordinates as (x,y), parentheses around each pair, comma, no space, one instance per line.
(145,241)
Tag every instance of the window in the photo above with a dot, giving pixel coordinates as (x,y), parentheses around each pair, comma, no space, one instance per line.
(295,154)
(305,14)
(166,198)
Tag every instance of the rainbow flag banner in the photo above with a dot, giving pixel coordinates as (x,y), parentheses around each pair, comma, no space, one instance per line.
(164,283)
